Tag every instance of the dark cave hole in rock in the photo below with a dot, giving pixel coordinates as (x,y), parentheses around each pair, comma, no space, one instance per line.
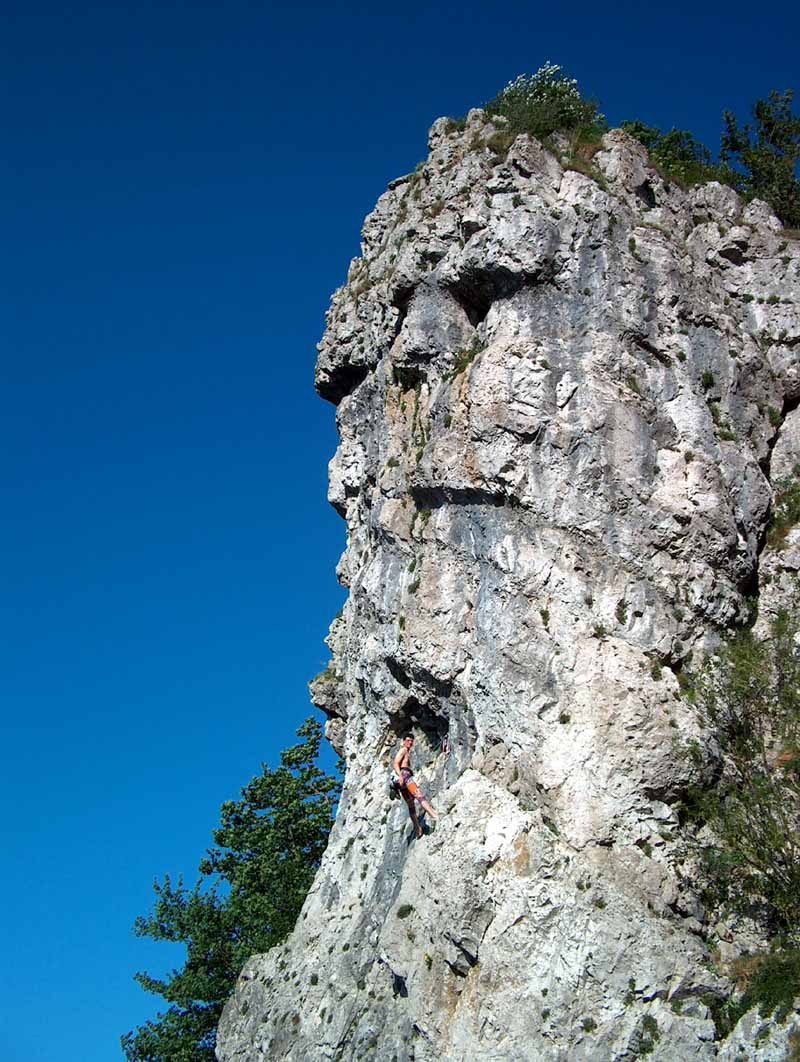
(473,298)
(399,986)
(407,376)
(343,381)
(645,192)
(401,301)
(429,728)
(428,497)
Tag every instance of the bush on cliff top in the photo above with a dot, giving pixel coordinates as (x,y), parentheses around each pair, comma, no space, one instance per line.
(759,159)
(545,102)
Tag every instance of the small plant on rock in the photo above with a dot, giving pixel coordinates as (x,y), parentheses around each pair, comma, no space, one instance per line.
(650,1034)
(465,358)
(786,508)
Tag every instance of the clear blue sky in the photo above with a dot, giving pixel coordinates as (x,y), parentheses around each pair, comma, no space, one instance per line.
(183,187)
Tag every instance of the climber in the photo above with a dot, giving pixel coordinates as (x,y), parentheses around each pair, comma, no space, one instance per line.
(409,789)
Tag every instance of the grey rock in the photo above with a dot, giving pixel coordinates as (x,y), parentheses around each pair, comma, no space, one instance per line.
(555,465)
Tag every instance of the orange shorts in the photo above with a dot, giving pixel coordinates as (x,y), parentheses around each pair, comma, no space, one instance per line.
(412,788)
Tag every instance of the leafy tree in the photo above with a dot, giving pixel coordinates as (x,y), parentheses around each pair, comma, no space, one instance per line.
(767,152)
(678,154)
(749,695)
(268,847)
(758,160)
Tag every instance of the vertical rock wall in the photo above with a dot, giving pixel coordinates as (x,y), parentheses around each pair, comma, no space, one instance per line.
(560,397)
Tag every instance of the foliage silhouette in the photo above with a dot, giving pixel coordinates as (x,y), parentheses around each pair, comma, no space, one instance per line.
(269,845)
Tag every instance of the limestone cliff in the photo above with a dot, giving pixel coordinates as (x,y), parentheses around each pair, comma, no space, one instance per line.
(560,398)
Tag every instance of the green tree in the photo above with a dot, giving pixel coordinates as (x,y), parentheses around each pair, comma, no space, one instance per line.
(766,151)
(749,697)
(268,847)
(678,154)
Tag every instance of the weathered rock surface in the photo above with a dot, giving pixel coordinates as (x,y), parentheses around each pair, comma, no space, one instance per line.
(561,401)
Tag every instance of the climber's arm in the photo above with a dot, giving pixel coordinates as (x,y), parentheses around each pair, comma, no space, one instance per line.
(396,765)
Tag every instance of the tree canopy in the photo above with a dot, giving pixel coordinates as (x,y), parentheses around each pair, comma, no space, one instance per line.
(758,158)
(252,885)
(767,151)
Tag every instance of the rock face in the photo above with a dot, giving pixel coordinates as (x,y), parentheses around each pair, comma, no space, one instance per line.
(560,397)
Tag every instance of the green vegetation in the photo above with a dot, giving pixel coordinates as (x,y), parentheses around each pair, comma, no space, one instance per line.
(771,984)
(247,899)
(775,418)
(404,910)
(542,104)
(749,695)
(546,102)
(465,358)
(677,154)
(328,674)
(786,509)
(650,1034)
(767,151)
(758,159)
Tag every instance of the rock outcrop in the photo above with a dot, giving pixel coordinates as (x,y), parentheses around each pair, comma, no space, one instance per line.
(561,398)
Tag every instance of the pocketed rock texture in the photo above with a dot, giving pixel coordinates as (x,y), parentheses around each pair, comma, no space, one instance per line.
(560,398)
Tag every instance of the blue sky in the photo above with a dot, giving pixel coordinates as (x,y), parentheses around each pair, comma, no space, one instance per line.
(183,187)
